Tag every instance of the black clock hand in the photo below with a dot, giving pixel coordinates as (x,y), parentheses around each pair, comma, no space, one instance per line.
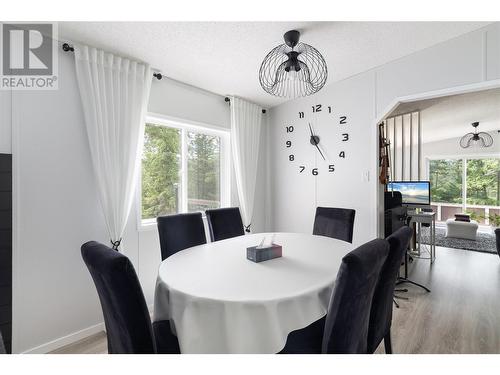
(323,156)
(315,141)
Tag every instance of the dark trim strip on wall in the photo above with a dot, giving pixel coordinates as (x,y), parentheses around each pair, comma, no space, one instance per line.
(6,250)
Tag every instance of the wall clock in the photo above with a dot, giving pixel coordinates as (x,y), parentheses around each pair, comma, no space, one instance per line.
(319,130)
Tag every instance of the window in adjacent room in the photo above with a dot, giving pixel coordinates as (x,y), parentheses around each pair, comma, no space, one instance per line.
(185,168)
(465,184)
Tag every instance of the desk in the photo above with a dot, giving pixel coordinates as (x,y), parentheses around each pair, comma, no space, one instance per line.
(220,302)
(419,218)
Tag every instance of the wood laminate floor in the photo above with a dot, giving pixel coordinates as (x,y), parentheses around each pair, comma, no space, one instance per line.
(460,315)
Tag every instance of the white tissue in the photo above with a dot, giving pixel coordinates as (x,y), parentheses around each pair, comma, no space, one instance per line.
(266,242)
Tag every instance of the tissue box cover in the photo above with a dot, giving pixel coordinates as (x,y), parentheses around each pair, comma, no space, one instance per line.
(259,255)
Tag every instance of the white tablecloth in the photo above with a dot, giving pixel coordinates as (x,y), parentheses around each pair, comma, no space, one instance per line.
(220,302)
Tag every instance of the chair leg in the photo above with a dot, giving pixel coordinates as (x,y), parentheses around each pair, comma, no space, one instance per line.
(388,343)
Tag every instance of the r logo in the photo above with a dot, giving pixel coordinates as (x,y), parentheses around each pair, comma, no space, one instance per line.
(27,49)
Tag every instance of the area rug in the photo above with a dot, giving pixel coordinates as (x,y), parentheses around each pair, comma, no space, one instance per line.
(485,242)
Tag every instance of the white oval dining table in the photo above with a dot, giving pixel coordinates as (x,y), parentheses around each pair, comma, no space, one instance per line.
(220,302)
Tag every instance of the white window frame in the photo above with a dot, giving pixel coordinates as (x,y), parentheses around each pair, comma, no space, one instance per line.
(225,162)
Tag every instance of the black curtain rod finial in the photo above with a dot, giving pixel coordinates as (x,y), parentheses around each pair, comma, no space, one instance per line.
(158,76)
(67,48)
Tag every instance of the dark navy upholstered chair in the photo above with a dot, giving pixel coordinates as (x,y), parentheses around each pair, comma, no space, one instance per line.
(224,223)
(381,311)
(334,222)
(178,232)
(345,328)
(126,316)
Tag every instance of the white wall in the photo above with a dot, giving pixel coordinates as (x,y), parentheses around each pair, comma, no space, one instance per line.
(5,122)
(56,209)
(296,195)
(471,58)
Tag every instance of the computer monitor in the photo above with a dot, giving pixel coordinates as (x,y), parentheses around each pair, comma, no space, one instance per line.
(415,193)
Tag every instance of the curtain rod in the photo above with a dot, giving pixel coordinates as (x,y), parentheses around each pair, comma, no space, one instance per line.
(68,48)
(228,100)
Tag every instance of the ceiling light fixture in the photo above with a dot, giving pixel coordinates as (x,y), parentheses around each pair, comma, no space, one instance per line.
(480,139)
(293,69)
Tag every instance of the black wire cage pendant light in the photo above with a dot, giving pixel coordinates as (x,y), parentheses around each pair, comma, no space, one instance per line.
(293,69)
(476,138)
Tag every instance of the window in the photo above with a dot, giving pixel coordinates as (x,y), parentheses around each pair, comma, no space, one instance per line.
(465,185)
(445,176)
(483,178)
(184,168)
(203,171)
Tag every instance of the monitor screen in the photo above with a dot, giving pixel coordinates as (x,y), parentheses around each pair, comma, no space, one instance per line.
(413,192)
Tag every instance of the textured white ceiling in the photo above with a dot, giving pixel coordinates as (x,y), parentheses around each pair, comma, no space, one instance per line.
(224,57)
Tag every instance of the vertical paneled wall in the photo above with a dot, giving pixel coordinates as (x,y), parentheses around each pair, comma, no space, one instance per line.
(6,249)
(404,134)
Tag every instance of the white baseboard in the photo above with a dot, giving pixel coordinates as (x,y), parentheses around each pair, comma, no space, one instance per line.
(65,340)
(71,338)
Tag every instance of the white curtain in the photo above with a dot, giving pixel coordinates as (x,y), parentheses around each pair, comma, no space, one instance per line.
(246,121)
(114,93)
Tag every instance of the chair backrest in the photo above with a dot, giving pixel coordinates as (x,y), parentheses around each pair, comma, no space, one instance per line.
(126,316)
(334,222)
(381,311)
(178,232)
(224,223)
(346,326)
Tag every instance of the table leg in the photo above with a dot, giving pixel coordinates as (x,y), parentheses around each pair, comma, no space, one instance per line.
(419,225)
(414,237)
(433,247)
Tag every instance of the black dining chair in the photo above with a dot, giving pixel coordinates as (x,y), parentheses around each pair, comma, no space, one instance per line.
(334,222)
(344,330)
(126,316)
(224,223)
(178,232)
(381,310)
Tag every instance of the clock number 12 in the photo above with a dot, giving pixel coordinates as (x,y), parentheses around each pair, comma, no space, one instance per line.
(316,108)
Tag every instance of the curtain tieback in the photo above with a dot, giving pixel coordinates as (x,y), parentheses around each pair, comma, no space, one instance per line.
(116,244)
(247,227)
